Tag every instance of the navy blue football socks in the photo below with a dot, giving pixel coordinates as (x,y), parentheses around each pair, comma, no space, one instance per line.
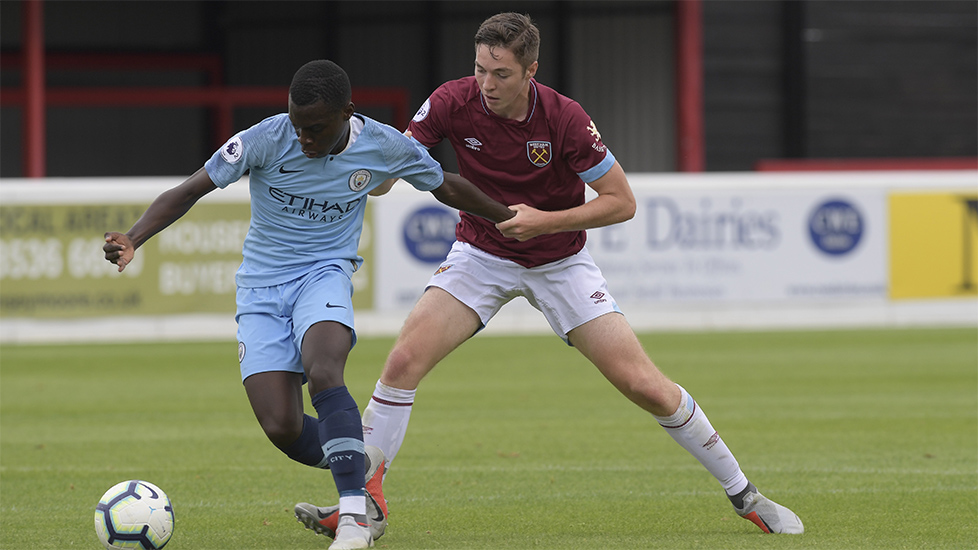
(341,432)
(307,449)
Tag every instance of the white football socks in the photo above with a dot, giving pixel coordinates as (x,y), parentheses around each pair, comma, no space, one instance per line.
(386,416)
(354,505)
(385,419)
(693,431)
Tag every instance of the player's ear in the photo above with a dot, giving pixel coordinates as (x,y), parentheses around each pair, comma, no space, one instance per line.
(349,110)
(532,69)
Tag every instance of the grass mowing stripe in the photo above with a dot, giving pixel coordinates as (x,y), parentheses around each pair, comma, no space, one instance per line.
(870,435)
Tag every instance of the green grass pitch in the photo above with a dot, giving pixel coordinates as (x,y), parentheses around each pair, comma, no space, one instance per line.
(871,436)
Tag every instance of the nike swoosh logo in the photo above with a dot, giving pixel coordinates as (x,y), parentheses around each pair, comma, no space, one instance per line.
(380,514)
(329,305)
(282,170)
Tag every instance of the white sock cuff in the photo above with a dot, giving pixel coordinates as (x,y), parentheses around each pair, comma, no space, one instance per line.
(356,505)
(385,394)
(682,415)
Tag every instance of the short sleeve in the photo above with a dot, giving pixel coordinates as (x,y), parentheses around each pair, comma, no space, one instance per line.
(409,160)
(429,125)
(585,153)
(245,150)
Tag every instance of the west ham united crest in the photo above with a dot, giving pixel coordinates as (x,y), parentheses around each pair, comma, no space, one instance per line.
(538,152)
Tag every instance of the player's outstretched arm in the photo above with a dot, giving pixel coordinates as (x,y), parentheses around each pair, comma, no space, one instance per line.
(460,193)
(167,208)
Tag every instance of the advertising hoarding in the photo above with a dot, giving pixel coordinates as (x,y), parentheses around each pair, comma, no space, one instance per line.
(685,244)
(703,250)
(933,243)
(52,265)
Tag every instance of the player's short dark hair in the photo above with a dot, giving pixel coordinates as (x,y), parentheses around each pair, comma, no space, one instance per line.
(321,80)
(513,31)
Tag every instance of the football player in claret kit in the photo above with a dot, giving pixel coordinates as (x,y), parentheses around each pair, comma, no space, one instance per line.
(310,173)
(529,147)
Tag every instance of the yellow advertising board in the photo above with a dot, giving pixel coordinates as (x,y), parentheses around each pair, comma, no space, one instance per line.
(933,244)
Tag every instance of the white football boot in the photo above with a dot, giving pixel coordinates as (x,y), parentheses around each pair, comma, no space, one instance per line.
(324,520)
(770,516)
(350,535)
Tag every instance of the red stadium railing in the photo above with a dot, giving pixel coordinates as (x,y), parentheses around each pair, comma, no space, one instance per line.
(813,165)
(34,96)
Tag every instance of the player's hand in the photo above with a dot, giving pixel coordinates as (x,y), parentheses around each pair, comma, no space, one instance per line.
(526,224)
(118,249)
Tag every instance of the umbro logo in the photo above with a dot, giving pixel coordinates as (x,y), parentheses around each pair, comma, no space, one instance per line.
(282,170)
(473,144)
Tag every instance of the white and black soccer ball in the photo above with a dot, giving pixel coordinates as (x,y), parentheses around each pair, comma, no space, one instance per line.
(134,515)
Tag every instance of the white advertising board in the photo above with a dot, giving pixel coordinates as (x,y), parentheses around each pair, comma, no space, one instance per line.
(686,243)
(689,244)
(704,251)
(413,235)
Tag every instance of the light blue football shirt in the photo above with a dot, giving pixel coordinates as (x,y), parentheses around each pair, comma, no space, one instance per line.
(308,213)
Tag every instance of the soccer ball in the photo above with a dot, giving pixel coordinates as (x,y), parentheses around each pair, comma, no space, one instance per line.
(134,515)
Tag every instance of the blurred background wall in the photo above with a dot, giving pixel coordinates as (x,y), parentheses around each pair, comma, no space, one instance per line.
(781,79)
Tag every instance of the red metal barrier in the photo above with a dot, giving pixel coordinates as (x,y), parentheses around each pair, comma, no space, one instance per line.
(34,96)
(690,138)
(813,165)
(34,123)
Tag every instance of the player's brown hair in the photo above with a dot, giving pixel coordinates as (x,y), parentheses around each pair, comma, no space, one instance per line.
(514,32)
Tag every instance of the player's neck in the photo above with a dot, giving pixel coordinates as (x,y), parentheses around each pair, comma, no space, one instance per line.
(343,142)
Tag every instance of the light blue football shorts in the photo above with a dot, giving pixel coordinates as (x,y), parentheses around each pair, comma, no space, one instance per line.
(569,292)
(272,320)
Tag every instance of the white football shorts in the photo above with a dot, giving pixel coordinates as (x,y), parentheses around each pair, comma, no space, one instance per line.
(569,292)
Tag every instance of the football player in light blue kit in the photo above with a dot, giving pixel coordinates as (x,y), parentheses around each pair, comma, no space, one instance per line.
(311,171)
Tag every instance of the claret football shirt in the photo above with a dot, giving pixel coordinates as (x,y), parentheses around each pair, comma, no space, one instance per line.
(542,161)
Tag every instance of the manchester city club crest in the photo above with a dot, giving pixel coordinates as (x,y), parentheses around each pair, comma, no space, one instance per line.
(538,152)
(359,179)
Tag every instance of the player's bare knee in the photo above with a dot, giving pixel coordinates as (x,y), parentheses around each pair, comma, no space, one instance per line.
(652,393)
(403,366)
(324,373)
